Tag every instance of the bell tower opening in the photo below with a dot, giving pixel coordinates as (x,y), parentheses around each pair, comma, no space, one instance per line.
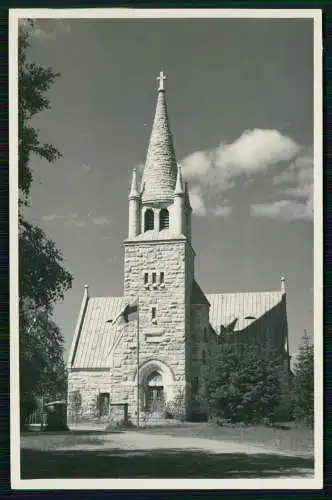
(163,219)
(148,220)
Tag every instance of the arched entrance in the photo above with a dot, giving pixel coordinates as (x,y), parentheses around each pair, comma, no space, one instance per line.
(156,385)
(154,393)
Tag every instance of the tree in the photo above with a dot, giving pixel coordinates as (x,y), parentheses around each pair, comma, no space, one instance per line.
(33,83)
(304,382)
(245,383)
(42,278)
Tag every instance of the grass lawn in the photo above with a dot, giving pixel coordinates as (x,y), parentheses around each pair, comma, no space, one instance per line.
(284,437)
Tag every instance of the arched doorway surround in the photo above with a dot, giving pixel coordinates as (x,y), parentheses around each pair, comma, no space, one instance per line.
(156,381)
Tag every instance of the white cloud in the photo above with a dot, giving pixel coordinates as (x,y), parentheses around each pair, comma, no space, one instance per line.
(296,188)
(213,172)
(100,221)
(86,168)
(284,209)
(197,202)
(76,223)
(52,217)
(221,210)
(254,151)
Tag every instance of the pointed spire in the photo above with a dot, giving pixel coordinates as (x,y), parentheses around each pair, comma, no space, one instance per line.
(179,184)
(187,198)
(134,189)
(160,170)
(283,284)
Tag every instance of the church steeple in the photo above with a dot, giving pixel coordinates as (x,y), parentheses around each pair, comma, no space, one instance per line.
(160,172)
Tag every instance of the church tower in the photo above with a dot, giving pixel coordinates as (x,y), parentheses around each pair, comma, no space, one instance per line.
(159,266)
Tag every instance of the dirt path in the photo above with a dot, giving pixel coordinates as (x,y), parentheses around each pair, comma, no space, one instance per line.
(148,442)
(138,454)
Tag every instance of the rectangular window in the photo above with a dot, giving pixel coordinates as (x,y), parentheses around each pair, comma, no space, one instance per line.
(146,278)
(203,357)
(205,335)
(153,313)
(154,277)
(162,277)
(103,403)
(195,386)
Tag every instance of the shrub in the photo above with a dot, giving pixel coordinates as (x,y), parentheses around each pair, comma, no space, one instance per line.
(245,384)
(304,383)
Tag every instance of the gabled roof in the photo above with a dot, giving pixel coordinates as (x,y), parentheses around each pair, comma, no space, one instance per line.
(238,310)
(160,171)
(97,334)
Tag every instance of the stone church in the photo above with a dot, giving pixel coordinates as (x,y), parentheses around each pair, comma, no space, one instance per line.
(153,347)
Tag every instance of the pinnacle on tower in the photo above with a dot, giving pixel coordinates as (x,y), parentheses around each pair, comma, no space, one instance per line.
(179,184)
(134,188)
(160,171)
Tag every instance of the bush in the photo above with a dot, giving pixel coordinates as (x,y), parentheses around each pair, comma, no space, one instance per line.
(304,383)
(176,408)
(245,385)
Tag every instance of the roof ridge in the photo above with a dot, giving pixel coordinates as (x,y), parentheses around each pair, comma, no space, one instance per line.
(242,293)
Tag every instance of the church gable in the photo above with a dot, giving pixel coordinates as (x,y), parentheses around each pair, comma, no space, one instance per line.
(197,295)
(97,334)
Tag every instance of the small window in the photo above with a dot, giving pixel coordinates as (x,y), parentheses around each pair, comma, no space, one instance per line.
(195,386)
(153,313)
(146,278)
(162,277)
(204,357)
(154,277)
(148,220)
(103,403)
(163,219)
(205,335)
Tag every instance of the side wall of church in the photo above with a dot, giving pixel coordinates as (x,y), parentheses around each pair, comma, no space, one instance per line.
(200,356)
(163,337)
(84,386)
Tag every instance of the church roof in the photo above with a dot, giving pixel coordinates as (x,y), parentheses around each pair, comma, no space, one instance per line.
(96,334)
(239,310)
(160,171)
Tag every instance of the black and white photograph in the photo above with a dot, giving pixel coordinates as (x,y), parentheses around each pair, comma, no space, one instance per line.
(166,249)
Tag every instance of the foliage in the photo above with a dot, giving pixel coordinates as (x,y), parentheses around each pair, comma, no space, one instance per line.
(304,382)
(33,83)
(42,278)
(176,407)
(245,383)
(42,368)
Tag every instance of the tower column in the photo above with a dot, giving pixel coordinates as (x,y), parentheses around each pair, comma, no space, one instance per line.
(178,206)
(134,208)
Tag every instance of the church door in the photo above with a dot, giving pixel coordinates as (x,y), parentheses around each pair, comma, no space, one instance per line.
(155,393)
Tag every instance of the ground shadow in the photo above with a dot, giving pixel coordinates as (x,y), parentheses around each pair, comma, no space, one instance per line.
(160,463)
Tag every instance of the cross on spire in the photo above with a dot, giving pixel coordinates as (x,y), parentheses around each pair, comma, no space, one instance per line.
(161,79)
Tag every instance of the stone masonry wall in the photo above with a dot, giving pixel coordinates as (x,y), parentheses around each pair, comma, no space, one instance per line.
(162,338)
(84,387)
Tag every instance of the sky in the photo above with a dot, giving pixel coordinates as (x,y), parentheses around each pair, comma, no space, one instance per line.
(240,102)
